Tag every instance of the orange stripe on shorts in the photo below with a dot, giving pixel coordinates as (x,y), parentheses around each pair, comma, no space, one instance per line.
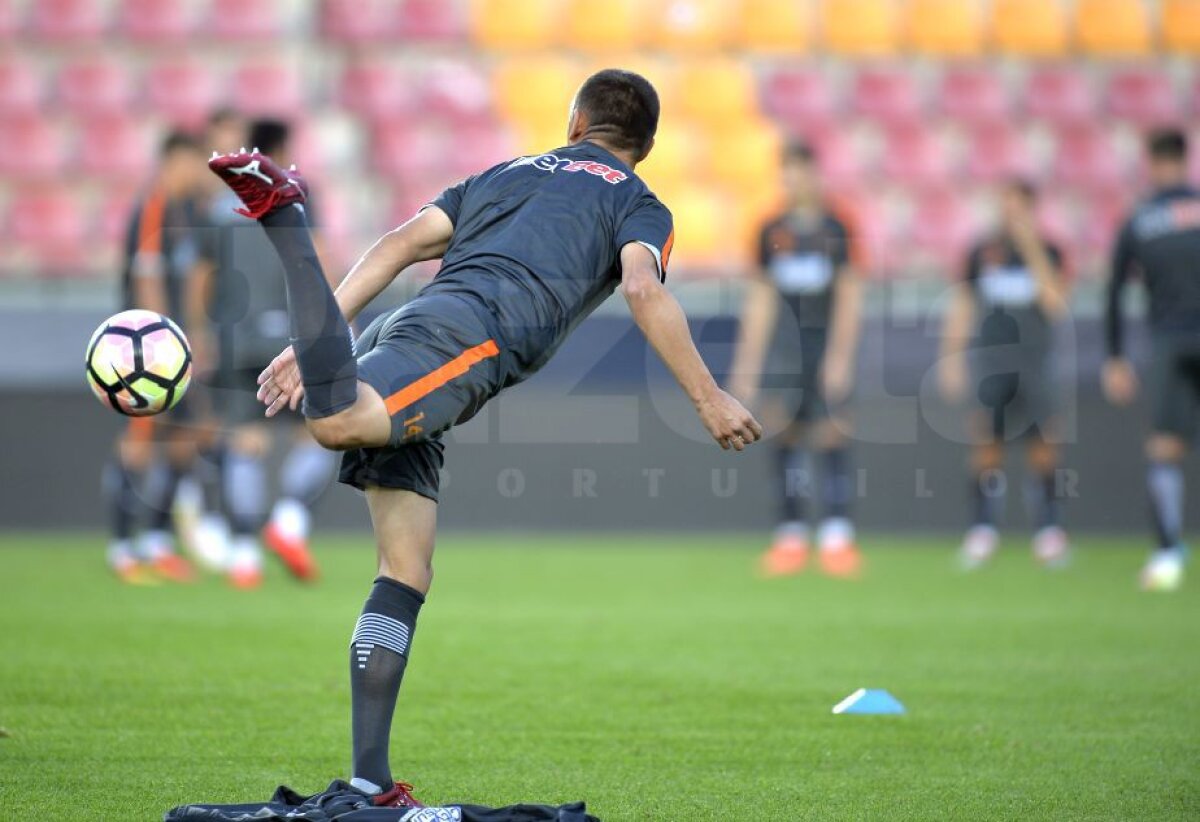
(439,376)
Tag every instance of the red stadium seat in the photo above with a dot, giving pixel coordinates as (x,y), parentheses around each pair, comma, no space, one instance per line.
(269,88)
(33,148)
(96,85)
(115,146)
(157,21)
(456,90)
(184,91)
(1147,96)
(840,159)
(1087,156)
(50,226)
(997,152)
(378,90)
(916,155)
(242,20)
(72,20)
(21,85)
(112,213)
(943,225)
(10,19)
(1062,95)
(430,20)
(1103,212)
(802,97)
(475,148)
(405,151)
(975,94)
(358,21)
(887,94)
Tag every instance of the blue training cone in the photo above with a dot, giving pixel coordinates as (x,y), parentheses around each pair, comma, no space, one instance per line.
(869,701)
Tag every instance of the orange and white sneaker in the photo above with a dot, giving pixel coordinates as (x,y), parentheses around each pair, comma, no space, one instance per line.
(246,578)
(128,569)
(839,556)
(173,568)
(788,553)
(291,547)
(245,563)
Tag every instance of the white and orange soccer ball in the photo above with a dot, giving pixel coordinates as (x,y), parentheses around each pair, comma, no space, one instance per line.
(138,363)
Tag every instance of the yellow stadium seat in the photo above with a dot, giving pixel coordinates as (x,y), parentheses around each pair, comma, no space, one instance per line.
(605,25)
(540,138)
(714,90)
(744,155)
(773,25)
(861,27)
(1036,28)
(946,28)
(1113,27)
(703,235)
(1181,25)
(515,24)
(678,155)
(535,91)
(690,25)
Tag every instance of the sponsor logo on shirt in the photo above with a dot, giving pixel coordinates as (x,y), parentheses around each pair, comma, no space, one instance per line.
(1008,285)
(801,273)
(446,814)
(553,163)
(1167,218)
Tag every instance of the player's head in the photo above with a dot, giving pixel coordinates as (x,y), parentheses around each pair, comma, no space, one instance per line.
(1017,197)
(1166,149)
(273,138)
(180,164)
(225,131)
(618,109)
(798,173)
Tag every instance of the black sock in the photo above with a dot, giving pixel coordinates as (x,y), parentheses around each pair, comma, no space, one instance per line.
(987,492)
(210,473)
(837,488)
(793,482)
(320,335)
(163,500)
(245,482)
(1165,483)
(378,655)
(122,485)
(1043,494)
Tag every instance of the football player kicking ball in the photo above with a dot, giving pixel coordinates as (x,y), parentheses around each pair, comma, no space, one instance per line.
(529,248)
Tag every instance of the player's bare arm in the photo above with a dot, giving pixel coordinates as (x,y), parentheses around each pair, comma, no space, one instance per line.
(424,237)
(1052,286)
(662,320)
(956,331)
(759,312)
(838,368)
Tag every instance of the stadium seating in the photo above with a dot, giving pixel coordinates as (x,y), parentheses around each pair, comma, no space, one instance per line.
(430,20)
(973,95)
(515,24)
(943,226)
(157,21)
(50,227)
(945,28)
(378,90)
(1181,25)
(1087,156)
(997,151)
(22,88)
(1113,28)
(1060,94)
(891,95)
(1032,28)
(116,146)
(33,148)
(917,156)
(455,90)
(269,87)
(699,26)
(357,21)
(184,91)
(1146,96)
(604,25)
(804,99)
(714,91)
(861,28)
(773,26)
(96,85)
(237,20)
(68,20)
(10,19)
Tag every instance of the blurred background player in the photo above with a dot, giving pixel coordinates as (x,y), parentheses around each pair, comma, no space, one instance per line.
(1161,242)
(998,339)
(801,318)
(249,313)
(160,261)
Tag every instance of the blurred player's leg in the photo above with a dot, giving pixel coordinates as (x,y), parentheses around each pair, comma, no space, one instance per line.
(988,485)
(404,524)
(789,549)
(1164,480)
(839,554)
(198,503)
(157,544)
(306,473)
(245,484)
(123,485)
(1050,544)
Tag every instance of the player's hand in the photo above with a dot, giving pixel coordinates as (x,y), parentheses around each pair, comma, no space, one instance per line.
(1119,381)
(728,421)
(837,378)
(279,385)
(952,379)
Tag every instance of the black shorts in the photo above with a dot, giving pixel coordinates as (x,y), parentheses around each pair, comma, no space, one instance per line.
(435,364)
(1174,384)
(791,377)
(1013,387)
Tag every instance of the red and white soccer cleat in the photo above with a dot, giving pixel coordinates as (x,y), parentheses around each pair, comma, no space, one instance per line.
(400,796)
(293,550)
(839,555)
(259,182)
(173,568)
(788,553)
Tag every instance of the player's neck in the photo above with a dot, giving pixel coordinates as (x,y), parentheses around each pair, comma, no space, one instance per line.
(626,157)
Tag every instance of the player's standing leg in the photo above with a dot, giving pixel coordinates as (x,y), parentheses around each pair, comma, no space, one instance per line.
(839,555)
(1165,483)
(123,485)
(306,473)
(244,478)
(987,487)
(157,544)
(789,549)
(1050,544)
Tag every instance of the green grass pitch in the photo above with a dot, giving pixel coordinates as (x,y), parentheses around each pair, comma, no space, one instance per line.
(654,677)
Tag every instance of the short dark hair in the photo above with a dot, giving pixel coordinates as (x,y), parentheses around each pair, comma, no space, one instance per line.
(621,108)
(178,141)
(221,115)
(269,136)
(798,151)
(1167,144)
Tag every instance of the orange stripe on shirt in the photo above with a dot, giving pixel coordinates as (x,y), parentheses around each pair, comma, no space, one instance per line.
(666,250)
(150,224)
(439,376)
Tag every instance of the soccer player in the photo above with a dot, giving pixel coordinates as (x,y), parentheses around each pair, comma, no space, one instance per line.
(1160,242)
(160,256)
(997,338)
(529,248)
(249,312)
(801,317)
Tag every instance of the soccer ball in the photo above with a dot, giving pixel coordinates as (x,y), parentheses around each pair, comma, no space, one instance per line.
(138,363)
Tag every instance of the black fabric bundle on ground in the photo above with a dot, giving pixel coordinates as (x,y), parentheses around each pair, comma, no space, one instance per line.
(340,803)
